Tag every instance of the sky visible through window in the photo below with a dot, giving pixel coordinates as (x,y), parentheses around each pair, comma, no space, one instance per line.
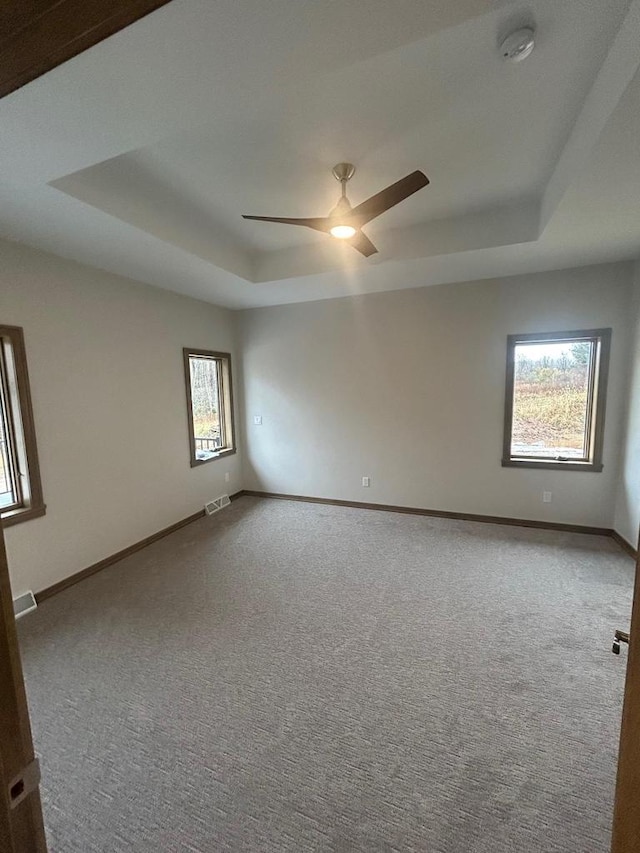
(551,399)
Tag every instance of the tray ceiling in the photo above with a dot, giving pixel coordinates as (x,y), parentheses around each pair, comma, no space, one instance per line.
(141,154)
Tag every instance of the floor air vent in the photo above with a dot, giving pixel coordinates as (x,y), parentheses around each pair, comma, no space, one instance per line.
(24,603)
(217,504)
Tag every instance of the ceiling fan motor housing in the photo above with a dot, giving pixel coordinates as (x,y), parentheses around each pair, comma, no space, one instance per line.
(342,208)
(343,171)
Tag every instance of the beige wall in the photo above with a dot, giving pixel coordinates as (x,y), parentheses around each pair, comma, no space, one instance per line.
(405,387)
(627,515)
(408,388)
(105,363)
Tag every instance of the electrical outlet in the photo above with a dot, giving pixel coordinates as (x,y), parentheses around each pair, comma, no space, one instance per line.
(546,497)
(366,482)
(227,477)
(257,420)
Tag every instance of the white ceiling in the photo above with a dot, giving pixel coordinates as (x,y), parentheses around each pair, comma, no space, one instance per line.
(140,155)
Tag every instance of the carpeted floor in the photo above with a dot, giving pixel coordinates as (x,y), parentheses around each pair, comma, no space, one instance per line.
(295,677)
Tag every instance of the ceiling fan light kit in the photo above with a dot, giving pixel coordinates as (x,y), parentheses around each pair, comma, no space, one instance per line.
(342,232)
(340,214)
(345,222)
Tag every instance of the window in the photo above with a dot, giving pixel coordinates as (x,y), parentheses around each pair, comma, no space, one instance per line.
(20,488)
(209,405)
(555,400)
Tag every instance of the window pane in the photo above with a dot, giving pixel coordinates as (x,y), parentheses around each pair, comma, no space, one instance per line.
(551,399)
(8,496)
(205,401)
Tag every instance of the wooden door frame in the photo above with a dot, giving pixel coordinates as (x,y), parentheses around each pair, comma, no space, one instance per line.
(21,827)
(40,36)
(626,818)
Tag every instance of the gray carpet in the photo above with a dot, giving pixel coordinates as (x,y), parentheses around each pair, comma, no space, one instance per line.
(294,677)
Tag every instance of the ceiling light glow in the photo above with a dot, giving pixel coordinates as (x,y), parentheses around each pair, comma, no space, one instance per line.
(343,232)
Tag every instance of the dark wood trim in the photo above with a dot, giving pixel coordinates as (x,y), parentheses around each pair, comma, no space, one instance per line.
(33,504)
(223,357)
(15,516)
(6,834)
(434,513)
(508,398)
(16,335)
(65,583)
(21,828)
(600,386)
(556,465)
(39,35)
(626,818)
(438,513)
(626,546)
(460,516)
(597,403)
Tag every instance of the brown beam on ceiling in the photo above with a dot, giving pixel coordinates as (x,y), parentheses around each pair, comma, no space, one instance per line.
(38,35)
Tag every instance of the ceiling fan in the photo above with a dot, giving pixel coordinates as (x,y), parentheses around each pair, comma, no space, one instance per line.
(345,222)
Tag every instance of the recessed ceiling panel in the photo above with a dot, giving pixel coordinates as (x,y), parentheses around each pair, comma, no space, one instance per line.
(143,153)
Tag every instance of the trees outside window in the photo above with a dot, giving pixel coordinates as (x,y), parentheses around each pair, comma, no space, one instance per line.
(555,399)
(209,405)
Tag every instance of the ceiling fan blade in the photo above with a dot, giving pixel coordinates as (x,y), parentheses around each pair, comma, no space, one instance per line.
(362,243)
(388,197)
(318,223)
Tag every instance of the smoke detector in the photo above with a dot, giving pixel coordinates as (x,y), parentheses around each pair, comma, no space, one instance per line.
(518,45)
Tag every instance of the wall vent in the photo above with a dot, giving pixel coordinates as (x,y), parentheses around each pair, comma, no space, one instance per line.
(24,604)
(217,504)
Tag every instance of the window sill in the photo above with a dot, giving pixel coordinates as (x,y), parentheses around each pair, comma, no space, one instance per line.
(554,464)
(16,516)
(195,463)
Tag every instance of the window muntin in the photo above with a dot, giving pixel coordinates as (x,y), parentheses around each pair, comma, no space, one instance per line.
(209,404)
(555,399)
(20,487)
